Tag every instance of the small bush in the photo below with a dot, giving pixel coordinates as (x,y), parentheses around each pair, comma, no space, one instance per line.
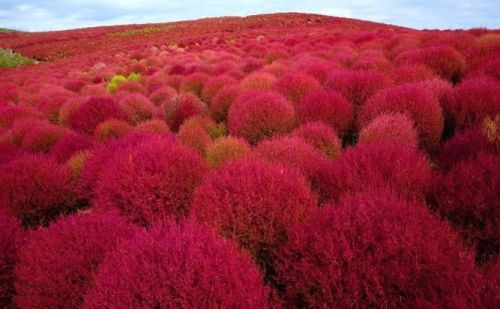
(328,106)
(257,115)
(394,127)
(137,107)
(111,128)
(66,256)
(222,101)
(43,137)
(151,180)
(375,250)
(181,266)
(250,201)
(321,136)
(94,111)
(181,107)
(70,144)
(296,85)
(10,242)
(226,149)
(35,189)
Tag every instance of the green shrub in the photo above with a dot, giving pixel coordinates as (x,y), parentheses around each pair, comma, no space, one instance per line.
(10,59)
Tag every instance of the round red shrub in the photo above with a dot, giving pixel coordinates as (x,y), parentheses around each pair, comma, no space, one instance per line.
(491,273)
(408,73)
(357,86)
(249,201)
(395,127)
(94,111)
(375,250)
(162,94)
(21,127)
(137,107)
(9,152)
(152,126)
(474,100)
(469,196)
(194,83)
(258,81)
(111,128)
(257,115)
(43,137)
(57,264)
(183,266)
(296,85)
(69,145)
(199,131)
(9,245)
(328,106)
(131,87)
(214,85)
(226,149)
(10,113)
(321,136)
(445,61)
(35,189)
(150,181)
(416,102)
(462,146)
(378,165)
(181,107)
(222,101)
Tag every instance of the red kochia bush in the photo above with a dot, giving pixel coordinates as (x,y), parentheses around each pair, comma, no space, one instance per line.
(57,264)
(43,137)
(137,107)
(150,181)
(395,127)
(445,61)
(374,250)
(295,85)
(35,189)
(380,164)
(181,107)
(9,152)
(222,101)
(225,149)
(321,136)
(260,114)
(69,145)
(111,128)
(250,201)
(94,111)
(469,196)
(177,266)
(357,86)
(416,102)
(328,106)
(10,241)
(152,126)
(474,99)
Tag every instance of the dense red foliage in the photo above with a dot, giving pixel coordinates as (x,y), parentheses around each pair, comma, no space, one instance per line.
(258,114)
(273,115)
(35,189)
(181,266)
(250,201)
(11,239)
(413,100)
(375,250)
(474,212)
(57,264)
(151,180)
(377,165)
(328,106)
(94,111)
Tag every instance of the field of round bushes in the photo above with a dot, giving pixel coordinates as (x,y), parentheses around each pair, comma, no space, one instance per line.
(273,161)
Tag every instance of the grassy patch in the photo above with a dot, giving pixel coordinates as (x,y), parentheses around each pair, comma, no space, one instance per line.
(10,59)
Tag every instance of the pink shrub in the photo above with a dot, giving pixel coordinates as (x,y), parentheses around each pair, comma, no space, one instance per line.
(445,61)
(181,266)
(131,87)
(408,73)
(152,126)
(57,264)
(137,107)
(35,189)
(416,102)
(214,85)
(21,127)
(328,106)
(43,137)
(226,149)
(222,101)
(469,197)
(181,107)
(9,245)
(258,114)
(394,127)
(258,81)
(321,136)
(357,86)
(194,84)
(250,201)
(111,128)
(296,85)
(375,250)
(70,144)
(474,99)
(9,152)
(378,165)
(94,111)
(163,94)
(150,181)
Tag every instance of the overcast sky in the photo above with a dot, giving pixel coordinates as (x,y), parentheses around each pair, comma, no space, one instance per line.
(40,15)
